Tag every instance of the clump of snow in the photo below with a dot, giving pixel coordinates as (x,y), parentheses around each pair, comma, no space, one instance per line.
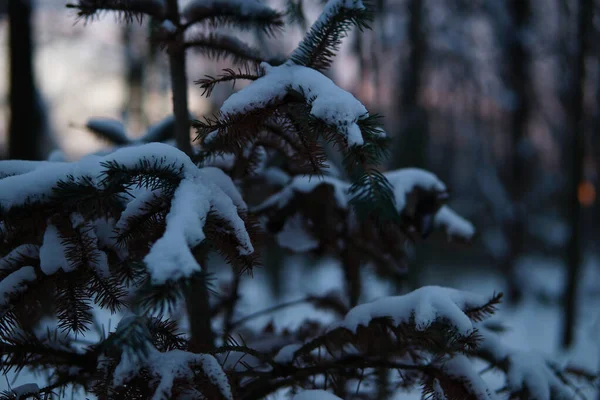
(286,353)
(157,132)
(109,128)
(27,389)
(171,365)
(426,305)
(315,395)
(15,283)
(19,167)
(136,207)
(24,250)
(453,224)
(168,26)
(201,191)
(531,371)
(211,190)
(405,180)
(329,103)
(52,252)
(293,236)
(460,368)
(306,184)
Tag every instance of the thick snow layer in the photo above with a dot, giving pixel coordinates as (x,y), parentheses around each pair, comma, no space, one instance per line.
(110,128)
(136,207)
(530,370)
(15,282)
(18,167)
(330,103)
(24,250)
(286,353)
(171,365)
(37,184)
(26,389)
(405,180)
(52,252)
(293,236)
(315,395)
(461,368)
(306,184)
(156,132)
(201,191)
(453,224)
(426,304)
(170,257)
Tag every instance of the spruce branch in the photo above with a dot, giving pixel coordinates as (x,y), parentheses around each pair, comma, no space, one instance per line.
(126,10)
(322,42)
(208,83)
(223,13)
(219,46)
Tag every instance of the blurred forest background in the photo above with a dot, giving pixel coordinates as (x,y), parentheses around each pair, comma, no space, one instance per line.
(499,98)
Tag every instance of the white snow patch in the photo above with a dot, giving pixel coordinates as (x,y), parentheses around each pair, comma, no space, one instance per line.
(15,283)
(172,365)
(52,252)
(453,224)
(295,237)
(426,304)
(330,103)
(405,180)
(286,353)
(315,395)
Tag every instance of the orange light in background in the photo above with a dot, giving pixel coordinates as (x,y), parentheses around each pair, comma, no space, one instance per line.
(586,193)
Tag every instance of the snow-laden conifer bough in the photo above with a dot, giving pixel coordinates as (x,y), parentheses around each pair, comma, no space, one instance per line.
(127,231)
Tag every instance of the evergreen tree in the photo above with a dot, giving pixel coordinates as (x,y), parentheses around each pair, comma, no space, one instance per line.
(130,231)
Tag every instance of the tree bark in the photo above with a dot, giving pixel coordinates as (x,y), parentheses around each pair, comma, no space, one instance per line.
(520,81)
(179,85)
(577,133)
(410,143)
(196,295)
(25,126)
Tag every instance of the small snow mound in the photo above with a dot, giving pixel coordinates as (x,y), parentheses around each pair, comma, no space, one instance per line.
(426,305)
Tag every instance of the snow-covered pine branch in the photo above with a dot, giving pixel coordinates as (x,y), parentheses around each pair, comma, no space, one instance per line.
(419,198)
(157,203)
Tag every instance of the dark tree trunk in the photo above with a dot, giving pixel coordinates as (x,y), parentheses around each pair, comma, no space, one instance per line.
(577,133)
(516,182)
(196,296)
(179,86)
(410,143)
(25,127)
(133,109)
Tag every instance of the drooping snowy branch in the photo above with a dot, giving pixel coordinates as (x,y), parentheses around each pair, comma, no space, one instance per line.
(147,205)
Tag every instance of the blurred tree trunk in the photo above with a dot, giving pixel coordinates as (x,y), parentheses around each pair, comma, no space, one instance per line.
(516,182)
(26,114)
(410,142)
(135,62)
(576,115)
